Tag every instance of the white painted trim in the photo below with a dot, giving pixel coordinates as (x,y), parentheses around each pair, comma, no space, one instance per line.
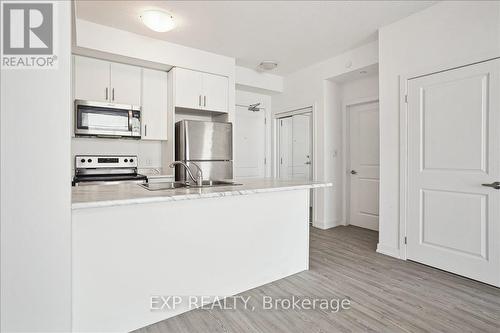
(324,225)
(388,250)
(346,151)
(403,165)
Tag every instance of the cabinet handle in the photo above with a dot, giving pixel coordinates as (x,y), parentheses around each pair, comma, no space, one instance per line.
(204,100)
(145,130)
(106,93)
(113,94)
(199,100)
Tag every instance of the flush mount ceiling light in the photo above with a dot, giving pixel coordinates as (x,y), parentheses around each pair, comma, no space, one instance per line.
(158,20)
(268,65)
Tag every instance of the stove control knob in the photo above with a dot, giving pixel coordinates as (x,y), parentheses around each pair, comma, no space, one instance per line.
(82,160)
(131,160)
(125,160)
(89,160)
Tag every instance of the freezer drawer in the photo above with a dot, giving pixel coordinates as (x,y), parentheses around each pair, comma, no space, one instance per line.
(212,170)
(203,140)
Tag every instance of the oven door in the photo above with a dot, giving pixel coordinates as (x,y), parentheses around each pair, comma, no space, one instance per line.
(106,120)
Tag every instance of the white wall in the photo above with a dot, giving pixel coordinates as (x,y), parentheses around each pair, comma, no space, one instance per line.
(36,193)
(445,35)
(311,87)
(362,87)
(247,98)
(247,78)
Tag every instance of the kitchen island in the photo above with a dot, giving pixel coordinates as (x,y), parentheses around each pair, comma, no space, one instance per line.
(133,247)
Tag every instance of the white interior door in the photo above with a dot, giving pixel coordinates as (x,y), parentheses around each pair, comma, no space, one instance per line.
(364,165)
(250,143)
(301,146)
(453,222)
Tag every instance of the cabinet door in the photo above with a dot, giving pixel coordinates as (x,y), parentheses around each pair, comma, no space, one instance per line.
(125,84)
(215,89)
(188,89)
(91,79)
(154,105)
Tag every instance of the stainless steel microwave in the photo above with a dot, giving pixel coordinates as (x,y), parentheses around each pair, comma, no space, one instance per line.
(107,119)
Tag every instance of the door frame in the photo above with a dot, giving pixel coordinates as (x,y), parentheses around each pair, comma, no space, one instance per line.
(277,117)
(346,151)
(314,145)
(401,253)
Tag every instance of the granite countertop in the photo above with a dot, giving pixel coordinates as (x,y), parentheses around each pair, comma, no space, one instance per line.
(91,196)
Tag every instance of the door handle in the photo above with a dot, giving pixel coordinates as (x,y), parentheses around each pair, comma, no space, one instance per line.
(113,94)
(199,100)
(106,93)
(354,172)
(204,100)
(495,185)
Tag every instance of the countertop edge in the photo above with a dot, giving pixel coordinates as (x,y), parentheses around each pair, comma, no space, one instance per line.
(191,196)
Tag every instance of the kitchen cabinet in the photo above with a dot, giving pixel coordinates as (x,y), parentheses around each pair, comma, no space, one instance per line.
(188,88)
(125,84)
(200,91)
(91,79)
(215,89)
(104,81)
(154,105)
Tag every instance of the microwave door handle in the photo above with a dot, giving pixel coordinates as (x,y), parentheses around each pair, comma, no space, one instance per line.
(130,115)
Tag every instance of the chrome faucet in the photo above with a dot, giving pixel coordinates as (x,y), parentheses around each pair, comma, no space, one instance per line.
(199,175)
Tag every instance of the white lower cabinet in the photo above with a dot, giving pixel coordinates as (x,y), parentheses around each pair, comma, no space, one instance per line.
(154,105)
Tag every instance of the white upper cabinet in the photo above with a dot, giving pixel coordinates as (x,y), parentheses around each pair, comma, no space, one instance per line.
(188,88)
(154,105)
(197,90)
(125,84)
(215,90)
(103,81)
(91,81)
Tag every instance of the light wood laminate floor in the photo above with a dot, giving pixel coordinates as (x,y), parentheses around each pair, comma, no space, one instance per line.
(387,295)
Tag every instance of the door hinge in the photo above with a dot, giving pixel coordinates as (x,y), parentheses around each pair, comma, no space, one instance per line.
(265,160)
(406,98)
(265,121)
(405,240)
(281,160)
(281,122)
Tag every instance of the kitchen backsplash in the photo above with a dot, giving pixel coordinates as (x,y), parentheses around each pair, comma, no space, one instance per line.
(148,152)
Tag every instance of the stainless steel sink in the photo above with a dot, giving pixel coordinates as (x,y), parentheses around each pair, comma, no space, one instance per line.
(163,186)
(211,183)
(173,185)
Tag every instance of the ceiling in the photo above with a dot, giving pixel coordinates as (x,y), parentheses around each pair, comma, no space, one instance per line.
(294,33)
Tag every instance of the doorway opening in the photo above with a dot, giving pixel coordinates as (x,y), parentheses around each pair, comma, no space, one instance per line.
(362,163)
(294,133)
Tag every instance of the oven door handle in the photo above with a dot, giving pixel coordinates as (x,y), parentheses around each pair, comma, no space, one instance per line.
(130,116)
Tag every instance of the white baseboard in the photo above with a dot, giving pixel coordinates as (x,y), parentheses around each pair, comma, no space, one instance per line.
(327,224)
(388,250)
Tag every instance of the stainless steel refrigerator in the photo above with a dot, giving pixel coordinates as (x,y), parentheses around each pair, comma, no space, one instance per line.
(208,144)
